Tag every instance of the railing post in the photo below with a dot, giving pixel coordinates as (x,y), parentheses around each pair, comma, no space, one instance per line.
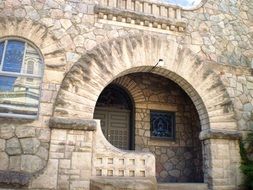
(164,11)
(178,11)
(147,8)
(113,3)
(171,13)
(129,5)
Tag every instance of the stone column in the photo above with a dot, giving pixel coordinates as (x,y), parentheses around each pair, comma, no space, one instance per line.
(221,159)
(69,164)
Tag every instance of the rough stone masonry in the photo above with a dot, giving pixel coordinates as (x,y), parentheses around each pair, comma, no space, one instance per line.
(85,45)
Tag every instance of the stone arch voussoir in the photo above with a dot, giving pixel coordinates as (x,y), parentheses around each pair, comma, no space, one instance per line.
(37,34)
(100,66)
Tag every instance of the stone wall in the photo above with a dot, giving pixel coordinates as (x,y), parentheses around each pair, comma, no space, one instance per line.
(178,160)
(24,149)
(79,152)
(216,38)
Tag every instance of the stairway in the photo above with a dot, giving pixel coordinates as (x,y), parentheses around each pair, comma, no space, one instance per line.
(182,186)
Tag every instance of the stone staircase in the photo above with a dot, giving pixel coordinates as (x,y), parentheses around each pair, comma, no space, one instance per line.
(182,186)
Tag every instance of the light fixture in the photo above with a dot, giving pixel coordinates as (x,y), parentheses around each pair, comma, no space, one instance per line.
(160,63)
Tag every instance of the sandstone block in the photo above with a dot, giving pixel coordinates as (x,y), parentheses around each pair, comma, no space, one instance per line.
(6,131)
(81,160)
(13,146)
(42,153)
(31,163)
(15,163)
(30,145)
(25,131)
(2,144)
(4,161)
(48,180)
(43,134)
(64,163)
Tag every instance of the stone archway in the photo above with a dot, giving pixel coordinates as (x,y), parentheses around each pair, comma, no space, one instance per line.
(138,54)
(100,66)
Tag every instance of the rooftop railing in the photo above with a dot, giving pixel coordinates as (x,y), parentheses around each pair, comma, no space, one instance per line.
(145,13)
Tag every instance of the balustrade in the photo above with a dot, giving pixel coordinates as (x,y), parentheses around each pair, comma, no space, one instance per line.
(145,13)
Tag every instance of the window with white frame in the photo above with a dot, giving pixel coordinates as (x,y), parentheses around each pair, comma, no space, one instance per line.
(20,79)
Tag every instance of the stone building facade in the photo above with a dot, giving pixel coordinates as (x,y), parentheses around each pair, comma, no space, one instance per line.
(206,81)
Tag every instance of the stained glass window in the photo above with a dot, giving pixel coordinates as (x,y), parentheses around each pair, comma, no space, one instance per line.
(162,124)
(20,78)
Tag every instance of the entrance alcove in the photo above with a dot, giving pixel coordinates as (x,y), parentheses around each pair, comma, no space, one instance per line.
(148,112)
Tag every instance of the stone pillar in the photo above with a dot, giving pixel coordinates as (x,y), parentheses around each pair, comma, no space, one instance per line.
(69,164)
(221,159)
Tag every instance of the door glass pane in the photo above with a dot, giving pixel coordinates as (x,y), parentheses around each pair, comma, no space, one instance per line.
(13,56)
(1,51)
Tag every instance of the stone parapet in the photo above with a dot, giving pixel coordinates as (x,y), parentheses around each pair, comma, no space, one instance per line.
(113,162)
(144,13)
(79,152)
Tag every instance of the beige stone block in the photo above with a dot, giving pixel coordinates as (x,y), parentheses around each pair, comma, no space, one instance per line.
(196,38)
(64,163)
(31,163)
(15,163)
(57,155)
(53,76)
(66,23)
(63,182)
(58,134)
(81,160)
(80,185)
(4,161)
(48,180)
(2,144)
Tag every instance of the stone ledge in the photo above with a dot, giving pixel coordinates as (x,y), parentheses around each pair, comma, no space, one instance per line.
(133,17)
(14,178)
(219,134)
(73,124)
(126,183)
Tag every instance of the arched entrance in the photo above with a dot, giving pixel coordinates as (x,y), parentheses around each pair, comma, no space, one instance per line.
(108,61)
(165,123)
(114,109)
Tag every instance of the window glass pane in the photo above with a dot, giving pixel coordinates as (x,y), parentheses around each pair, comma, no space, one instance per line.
(13,56)
(1,51)
(162,124)
(6,83)
(20,96)
(32,61)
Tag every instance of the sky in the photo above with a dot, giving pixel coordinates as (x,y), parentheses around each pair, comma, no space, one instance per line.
(185,3)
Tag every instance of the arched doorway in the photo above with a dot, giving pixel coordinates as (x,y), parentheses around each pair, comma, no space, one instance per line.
(114,108)
(165,123)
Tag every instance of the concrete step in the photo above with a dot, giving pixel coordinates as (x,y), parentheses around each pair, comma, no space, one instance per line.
(182,186)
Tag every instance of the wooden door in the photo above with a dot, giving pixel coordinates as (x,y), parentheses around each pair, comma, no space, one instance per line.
(115,124)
